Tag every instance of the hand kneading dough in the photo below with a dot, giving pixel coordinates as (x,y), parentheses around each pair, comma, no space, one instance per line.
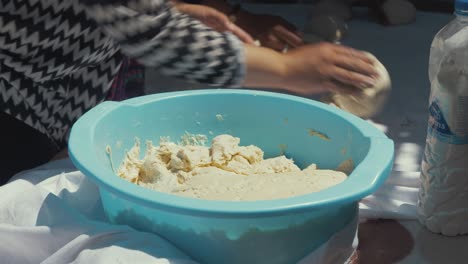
(372,99)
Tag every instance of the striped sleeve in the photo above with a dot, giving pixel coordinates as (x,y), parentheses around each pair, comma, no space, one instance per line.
(154,33)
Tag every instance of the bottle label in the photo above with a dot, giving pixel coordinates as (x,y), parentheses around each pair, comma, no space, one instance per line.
(439,128)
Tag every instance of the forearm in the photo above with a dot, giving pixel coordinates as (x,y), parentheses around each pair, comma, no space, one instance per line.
(264,68)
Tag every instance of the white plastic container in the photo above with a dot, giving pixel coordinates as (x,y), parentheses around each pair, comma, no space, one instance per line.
(443,194)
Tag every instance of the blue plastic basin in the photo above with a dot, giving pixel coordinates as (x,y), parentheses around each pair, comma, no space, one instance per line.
(273,231)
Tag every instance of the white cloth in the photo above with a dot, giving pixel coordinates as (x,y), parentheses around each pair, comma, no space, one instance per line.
(398,196)
(60,220)
(53,214)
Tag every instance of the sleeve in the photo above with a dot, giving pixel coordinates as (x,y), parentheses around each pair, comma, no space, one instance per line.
(155,34)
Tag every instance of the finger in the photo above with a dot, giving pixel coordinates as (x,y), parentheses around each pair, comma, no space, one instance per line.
(222,23)
(271,41)
(348,51)
(240,33)
(352,78)
(291,28)
(216,17)
(357,65)
(287,25)
(292,39)
(217,25)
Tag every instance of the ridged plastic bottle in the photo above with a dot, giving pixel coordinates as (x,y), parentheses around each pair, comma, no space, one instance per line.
(443,194)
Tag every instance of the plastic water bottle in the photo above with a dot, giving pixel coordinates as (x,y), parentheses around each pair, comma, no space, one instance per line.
(443,194)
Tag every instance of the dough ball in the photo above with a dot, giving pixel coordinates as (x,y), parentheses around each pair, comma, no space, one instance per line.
(398,12)
(326,27)
(372,99)
(336,8)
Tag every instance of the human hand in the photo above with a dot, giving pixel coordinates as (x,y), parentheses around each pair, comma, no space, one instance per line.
(272,31)
(214,19)
(327,67)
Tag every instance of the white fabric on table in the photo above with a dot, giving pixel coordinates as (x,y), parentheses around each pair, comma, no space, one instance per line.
(53,214)
(60,220)
(398,196)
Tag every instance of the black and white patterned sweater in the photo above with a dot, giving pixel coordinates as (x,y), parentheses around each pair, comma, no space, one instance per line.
(58,57)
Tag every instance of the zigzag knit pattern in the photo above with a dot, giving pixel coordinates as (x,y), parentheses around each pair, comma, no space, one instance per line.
(58,57)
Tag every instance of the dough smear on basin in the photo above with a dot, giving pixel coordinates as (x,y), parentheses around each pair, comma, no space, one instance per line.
(224,171)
